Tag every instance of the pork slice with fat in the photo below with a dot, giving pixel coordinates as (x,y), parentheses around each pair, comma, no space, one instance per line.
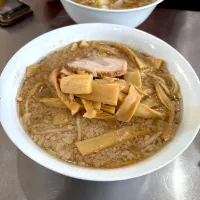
(104,66)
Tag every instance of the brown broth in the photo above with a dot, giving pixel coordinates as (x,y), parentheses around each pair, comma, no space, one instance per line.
(114,4)
(59,139)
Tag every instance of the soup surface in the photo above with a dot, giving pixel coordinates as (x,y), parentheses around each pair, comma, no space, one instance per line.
(100,104)
(115,4)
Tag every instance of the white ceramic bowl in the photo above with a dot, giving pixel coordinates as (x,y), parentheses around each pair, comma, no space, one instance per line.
(38,48)
(128,17)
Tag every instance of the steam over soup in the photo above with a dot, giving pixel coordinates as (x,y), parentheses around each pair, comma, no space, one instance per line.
(115,4)
(100,104)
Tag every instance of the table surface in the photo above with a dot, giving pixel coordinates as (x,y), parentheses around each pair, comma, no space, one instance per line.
(23,179)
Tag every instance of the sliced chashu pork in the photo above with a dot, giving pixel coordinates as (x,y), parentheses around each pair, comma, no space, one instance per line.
(99,67)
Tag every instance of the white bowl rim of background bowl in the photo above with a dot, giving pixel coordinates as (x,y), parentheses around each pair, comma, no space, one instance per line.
(117,10)
(29,148)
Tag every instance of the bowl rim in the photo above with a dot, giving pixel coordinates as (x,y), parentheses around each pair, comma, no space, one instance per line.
(96,171)
(112,10)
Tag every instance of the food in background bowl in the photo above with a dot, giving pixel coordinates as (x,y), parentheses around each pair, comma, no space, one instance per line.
(100,104)
(115,4)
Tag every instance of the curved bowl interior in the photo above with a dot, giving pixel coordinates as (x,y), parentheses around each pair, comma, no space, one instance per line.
(43,45)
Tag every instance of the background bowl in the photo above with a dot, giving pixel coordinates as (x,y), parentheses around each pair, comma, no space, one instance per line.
(38,48)
(128,17)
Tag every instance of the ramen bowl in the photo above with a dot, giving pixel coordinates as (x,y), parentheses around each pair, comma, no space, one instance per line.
(128,17)
(38,48)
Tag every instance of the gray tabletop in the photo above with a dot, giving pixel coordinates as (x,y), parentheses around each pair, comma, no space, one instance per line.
(23,179)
